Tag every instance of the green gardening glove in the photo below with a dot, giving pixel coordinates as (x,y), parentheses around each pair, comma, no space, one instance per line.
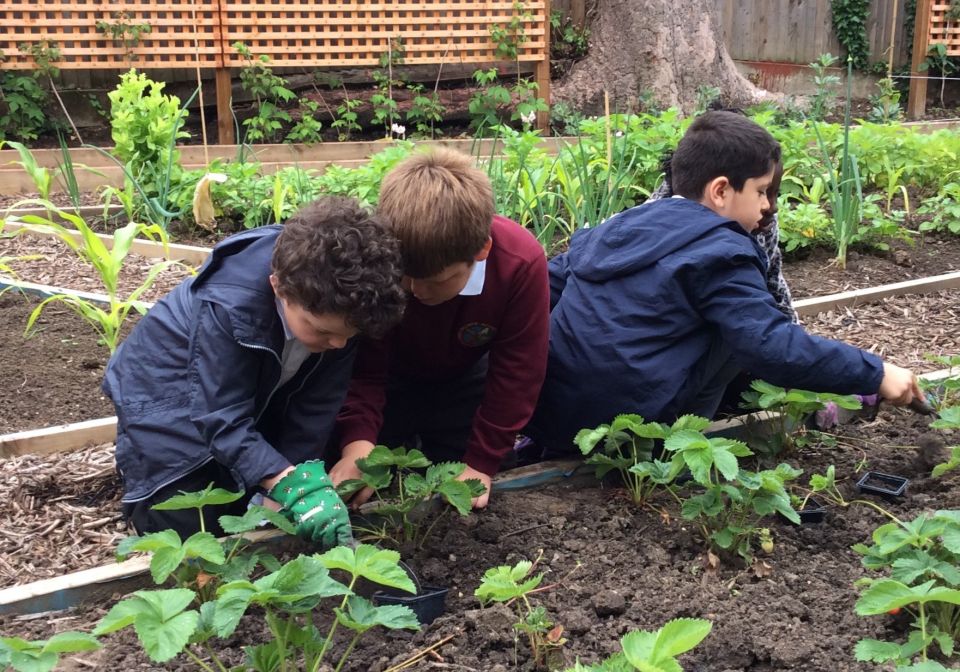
(311,503)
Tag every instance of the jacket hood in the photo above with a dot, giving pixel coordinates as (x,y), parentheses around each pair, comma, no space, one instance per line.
(641,236)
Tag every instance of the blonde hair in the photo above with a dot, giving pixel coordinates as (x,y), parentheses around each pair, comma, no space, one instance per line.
(440,207)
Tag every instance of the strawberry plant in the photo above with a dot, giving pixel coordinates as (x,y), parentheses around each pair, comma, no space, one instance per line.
(733,501)
(402,507)
(513,586)
(792,408)
(922,557)
(43,655)
(626,446)
(655,651)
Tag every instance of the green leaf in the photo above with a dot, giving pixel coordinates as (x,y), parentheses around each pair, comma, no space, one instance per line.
(153,542)
(209,496)
(165,638)
(374,564)
(204,545)
(587,439)
(167,603)
(254,515)
(232,602)
(680,635)
(445,471)
(638,648)
(165,562)
(121,615)
(876,651)
(71,642)
(690,422)
(458,495)
(361,615)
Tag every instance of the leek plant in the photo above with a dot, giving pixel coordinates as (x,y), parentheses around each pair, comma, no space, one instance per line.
(844,186)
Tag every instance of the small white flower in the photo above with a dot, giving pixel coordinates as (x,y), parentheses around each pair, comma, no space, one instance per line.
(529,118)
(399,130)
(619,134)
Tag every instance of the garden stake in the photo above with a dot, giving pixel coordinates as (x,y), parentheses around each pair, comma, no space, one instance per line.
(415,658)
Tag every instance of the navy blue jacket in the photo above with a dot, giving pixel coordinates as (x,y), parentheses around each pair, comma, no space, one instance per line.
(196,379)
(638,301)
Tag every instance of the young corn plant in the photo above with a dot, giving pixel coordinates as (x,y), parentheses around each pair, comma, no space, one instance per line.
(106,260)
(513,586)
(404,507)
(656,651)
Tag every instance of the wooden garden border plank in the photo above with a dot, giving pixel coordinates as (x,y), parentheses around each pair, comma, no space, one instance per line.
(53,439)
(49,290)
(190,254)
(821,304)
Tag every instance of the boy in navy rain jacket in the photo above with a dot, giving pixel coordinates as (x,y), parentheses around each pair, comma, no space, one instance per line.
(655,311)
(237,375)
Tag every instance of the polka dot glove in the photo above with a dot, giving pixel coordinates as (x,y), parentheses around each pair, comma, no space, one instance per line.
(310,502)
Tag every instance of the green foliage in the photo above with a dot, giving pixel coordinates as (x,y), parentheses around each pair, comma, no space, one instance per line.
(792,407)
(655,651)
(509,38)
(416,481)
(270,91)
(567,40)
(706,95)
(922,557)
(513,586)
(345,120)
(145,126)
(214,590)
(885,105)
(385,109)
(307,129)
(943,210)
(803,225)
(949,419)
(124,32)
(825,84)
(106,261)
(850,26)
(486,105)
(425,112)
(22,105)
(43,655)
(626,446)
(938,59)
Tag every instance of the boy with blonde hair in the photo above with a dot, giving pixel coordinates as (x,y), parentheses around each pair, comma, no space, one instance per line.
(461,373)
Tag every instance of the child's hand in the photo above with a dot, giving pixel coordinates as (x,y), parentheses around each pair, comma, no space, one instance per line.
(899,386)
(346,469)
(468,473)
(311,503)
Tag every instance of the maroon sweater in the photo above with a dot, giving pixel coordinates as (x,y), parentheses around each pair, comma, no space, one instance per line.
(509,319)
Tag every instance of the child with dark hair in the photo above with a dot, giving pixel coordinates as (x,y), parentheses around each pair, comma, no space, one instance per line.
(656,310)
(236,376)
(460,375)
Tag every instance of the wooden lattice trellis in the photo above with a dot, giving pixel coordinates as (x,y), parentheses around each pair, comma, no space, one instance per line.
(932,27)
(192,33)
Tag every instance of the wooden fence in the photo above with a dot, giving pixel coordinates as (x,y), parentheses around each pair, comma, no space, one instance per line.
(199,33)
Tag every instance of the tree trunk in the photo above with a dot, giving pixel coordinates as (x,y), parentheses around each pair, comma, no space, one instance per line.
(667,47)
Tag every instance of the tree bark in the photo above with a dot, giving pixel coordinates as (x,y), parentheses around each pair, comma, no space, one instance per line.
(667,47)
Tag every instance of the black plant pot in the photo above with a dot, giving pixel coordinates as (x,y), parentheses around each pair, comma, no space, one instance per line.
(884,485)
(812,512)
(428,604)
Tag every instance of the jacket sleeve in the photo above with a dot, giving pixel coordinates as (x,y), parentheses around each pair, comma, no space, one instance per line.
(361,417)
(518,363)
(223,380)
(313,407)
(557,269)
(732,295)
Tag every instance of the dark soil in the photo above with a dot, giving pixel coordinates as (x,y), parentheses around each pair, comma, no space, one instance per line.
(52,377)
(621,568)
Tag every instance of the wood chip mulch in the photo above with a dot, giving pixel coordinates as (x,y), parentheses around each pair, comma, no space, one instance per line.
(59,266)
(900,329)
(59,513)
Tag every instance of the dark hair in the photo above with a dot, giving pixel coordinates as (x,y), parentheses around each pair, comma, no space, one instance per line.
(335,257)
(440,206)
(721,144)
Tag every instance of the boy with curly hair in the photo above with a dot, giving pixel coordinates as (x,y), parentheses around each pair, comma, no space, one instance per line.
(658,309)
(235,377)
(460,375)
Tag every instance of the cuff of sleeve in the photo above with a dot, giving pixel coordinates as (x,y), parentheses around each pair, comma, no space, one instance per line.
(356,433)
(876,364)
(249,472)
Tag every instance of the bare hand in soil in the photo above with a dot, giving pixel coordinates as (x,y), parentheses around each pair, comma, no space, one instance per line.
(899,386)
(346,469)
(484,499)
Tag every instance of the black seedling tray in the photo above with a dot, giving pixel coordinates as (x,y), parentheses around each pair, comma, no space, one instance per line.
(884,485)
(430,603)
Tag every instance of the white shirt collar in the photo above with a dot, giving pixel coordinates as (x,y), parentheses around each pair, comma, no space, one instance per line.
(474,284)
(283,320)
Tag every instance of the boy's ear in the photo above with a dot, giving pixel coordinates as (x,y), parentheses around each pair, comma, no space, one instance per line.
(716,192)
(484,251)
(274,282)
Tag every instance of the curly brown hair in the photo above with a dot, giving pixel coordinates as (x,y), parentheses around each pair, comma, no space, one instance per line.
(335,257)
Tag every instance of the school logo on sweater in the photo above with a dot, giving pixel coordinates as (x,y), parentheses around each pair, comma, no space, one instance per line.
(476,334)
